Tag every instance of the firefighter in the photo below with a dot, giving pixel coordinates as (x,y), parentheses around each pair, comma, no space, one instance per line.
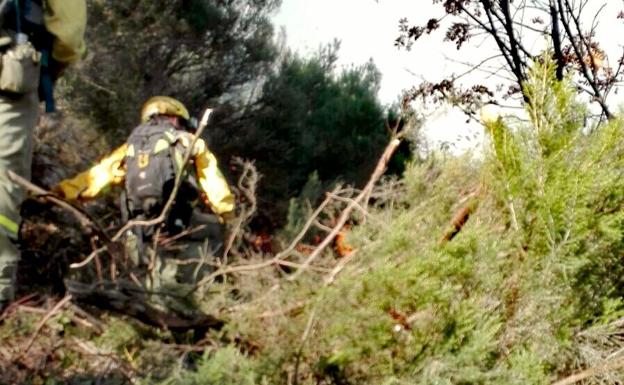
(38,39)
(147,165)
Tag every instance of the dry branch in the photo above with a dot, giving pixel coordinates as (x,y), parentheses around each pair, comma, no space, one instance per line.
(277,259)
(82,217)
(594,371)
(124,299)
(87,260)
(331,278)
(43,321)
(379,170)
(247,183)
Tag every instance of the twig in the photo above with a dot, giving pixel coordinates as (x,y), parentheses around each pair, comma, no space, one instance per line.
(304,339)
(167,241)
(88,317)
(39,192)
(357,206)
(322,227)
(379,170)
(74,318)
(277,259)
(87,260)
(295,308)
(14,305)
(331,278)
(247,186)
(307,225)
(43,321)
(582,375)
(298,265)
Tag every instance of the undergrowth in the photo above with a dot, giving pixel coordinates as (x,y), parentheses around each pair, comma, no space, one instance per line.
(529,291)
(511,299)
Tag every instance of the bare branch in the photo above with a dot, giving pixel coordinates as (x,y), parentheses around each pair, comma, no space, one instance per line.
(591,372)
(43,321)
(597,94)
(277,258)
(82,216)
(379,170)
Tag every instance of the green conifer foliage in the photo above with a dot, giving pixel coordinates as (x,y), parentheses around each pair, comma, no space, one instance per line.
(524,294)
(200,51)
(315,119)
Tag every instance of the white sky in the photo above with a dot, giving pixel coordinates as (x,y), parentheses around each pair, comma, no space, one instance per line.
(367,29)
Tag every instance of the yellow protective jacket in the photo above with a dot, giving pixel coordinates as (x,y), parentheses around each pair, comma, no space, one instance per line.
(67,21)
(111,170)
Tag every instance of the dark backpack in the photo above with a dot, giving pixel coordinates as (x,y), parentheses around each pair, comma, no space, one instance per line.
(151,168)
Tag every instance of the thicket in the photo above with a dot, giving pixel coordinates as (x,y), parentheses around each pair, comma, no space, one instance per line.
(315,124)
(528,292)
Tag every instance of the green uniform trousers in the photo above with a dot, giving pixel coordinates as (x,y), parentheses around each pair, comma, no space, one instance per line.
(18,117)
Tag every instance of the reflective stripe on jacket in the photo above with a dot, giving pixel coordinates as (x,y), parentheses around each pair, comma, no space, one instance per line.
(8,226)
(111,170)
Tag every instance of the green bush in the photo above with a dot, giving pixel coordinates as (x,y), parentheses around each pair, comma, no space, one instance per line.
(225,366)
(511,299)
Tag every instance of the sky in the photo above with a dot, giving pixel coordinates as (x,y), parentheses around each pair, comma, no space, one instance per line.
(367,29)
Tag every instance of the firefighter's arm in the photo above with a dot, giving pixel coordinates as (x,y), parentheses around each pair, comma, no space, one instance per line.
(67,21)
(89,184)
(212,182)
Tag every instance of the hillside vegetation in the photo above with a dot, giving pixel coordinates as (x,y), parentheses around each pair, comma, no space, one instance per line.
(529,291)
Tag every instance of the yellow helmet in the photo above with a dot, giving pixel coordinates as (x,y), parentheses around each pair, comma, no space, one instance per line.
(163,105)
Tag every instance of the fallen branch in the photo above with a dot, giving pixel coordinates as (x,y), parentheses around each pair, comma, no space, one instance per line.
(43,321)
(364,194)
(277,259)
(587,373)
(131,301)
(82,217)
